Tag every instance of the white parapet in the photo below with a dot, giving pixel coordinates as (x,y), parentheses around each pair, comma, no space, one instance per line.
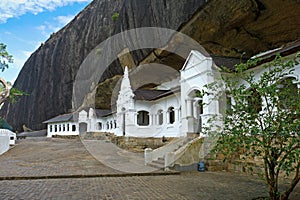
(4,144)
(11,135)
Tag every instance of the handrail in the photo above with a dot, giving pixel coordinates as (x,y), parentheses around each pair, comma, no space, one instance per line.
(151,155)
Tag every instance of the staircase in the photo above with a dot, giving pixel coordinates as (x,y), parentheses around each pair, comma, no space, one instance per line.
(158,164)
(156,158)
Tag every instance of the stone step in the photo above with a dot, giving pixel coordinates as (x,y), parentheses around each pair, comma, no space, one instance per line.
(159,163)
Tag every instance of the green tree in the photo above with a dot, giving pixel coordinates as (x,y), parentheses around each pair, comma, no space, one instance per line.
(263,120)
(5,57)
(6,91)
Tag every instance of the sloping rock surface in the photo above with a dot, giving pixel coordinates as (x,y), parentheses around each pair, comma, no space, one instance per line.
(49,73)
(229,30)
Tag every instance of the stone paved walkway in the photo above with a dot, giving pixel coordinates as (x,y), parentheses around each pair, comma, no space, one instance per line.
(43,156)
(194,186)
(50,157)
(117,158)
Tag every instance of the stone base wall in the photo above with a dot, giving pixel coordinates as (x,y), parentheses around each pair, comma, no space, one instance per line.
(97,136)
(199,151)
(66,136)
(253,166)
(191,154)
(139,144)
(217,162)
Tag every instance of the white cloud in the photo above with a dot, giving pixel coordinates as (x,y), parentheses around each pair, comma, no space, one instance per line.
(26,54)
(51,27)
(16,8)
(63,20)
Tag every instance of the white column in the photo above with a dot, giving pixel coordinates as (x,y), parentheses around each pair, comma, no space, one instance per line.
(189,107)
(49,134)
(176,114)
(166,117)
(195,110)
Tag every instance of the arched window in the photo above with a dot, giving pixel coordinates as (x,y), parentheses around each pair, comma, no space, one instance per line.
(254,102)
(111,125)
(160,117)
(143,118)
(288,94)
(171,115)
(228,103)
(64,127)
(73,128)
(59,127)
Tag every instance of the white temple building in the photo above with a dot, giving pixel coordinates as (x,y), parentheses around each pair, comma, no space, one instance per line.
(157,112)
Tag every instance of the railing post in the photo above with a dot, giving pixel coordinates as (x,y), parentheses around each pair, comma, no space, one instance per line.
(148,155)
(169,160)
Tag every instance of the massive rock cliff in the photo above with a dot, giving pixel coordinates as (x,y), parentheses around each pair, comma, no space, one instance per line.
(227,30)
(48,74)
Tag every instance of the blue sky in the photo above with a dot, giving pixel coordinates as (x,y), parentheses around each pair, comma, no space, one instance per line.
(25,24)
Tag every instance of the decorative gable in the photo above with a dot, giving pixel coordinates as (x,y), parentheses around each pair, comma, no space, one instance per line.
(82,116)
(196,66)
(194,58)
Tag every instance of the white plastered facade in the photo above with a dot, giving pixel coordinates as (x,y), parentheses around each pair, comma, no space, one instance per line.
(174,115)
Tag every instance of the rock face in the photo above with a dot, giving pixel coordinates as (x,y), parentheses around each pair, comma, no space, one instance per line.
(226,29)
(48,74)
(234,29)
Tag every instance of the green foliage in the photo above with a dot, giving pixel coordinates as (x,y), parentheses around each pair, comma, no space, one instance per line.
(263,120)
(14,94)
(6,92)
(115,16)
(5,57)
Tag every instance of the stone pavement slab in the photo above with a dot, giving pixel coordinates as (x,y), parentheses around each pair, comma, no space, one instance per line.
(114,157)
(191,186)
(50,157)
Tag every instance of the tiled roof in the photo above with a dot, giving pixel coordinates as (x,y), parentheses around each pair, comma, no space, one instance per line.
(63,118)
(103,112)
(151,95)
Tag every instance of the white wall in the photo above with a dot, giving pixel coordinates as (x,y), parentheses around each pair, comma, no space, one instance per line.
(109,124)
(62,128)
(154,129)
(4,144)
(12,136)
(197,71)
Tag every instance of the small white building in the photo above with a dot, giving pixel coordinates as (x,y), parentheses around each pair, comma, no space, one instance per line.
(81,122)
(172,109)
(7,138)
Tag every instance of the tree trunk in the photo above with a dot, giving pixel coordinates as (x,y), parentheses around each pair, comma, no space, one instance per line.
(4,94)
(293,184)
(271,179)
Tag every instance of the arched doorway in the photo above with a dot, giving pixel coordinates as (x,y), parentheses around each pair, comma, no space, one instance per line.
(82,128)
(171,117)
(195,110)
